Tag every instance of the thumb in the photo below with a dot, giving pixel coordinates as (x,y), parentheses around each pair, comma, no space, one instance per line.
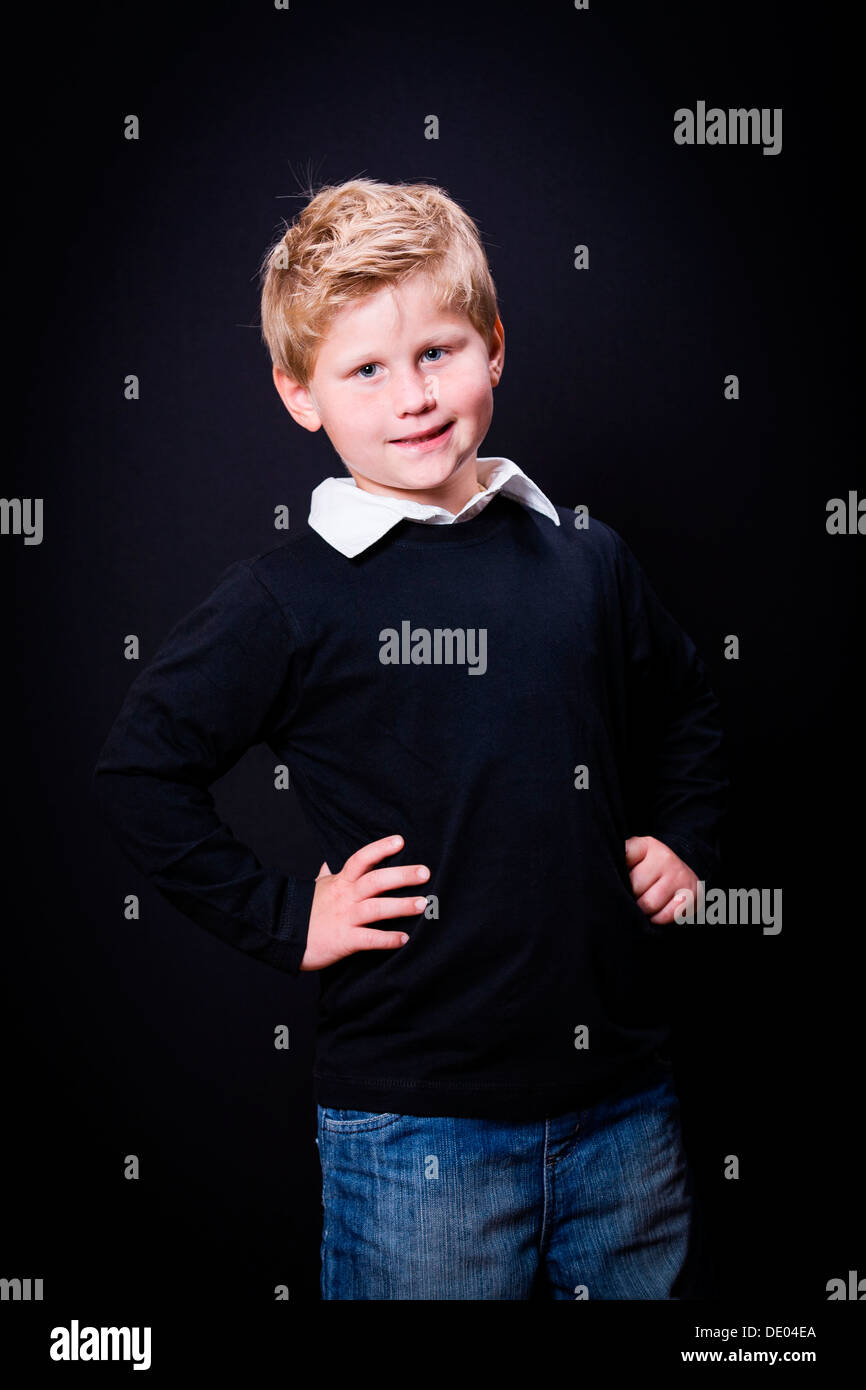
(323,871)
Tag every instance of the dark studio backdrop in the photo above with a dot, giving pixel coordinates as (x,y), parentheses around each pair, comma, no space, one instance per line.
(556,129)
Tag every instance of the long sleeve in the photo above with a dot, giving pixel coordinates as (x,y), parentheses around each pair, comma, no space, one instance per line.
(677,747)
(220,682)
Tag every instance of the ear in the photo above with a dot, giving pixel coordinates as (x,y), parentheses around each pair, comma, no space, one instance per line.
(496,351)
(297,400)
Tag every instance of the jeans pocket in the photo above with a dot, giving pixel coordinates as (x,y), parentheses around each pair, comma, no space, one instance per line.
(340,1121)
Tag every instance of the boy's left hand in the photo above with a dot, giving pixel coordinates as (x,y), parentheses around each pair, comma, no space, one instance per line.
(657,875)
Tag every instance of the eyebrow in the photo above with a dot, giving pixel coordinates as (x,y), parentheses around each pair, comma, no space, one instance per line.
(448,332)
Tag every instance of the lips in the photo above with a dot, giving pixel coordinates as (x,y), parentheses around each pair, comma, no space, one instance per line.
(419,438)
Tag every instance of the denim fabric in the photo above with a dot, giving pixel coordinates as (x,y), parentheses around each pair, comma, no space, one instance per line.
(595,1203)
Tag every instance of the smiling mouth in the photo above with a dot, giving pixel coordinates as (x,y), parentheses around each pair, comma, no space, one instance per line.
(421,438)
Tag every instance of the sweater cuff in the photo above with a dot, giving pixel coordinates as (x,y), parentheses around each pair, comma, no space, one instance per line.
(291,938)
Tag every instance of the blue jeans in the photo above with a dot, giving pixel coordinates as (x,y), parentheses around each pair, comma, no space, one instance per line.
(596,1203)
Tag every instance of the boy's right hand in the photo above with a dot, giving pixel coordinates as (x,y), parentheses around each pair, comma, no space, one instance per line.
(344,903)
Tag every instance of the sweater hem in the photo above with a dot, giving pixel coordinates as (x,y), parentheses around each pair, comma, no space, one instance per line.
(467,1099)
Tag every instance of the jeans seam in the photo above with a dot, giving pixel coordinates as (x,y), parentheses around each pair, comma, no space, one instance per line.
(547,1174)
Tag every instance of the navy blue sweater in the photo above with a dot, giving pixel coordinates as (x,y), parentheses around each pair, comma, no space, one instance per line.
(533,983)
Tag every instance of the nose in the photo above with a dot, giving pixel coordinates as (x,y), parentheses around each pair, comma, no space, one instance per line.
(413,392)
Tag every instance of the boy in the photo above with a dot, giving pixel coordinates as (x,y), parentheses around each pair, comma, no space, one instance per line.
(472,693)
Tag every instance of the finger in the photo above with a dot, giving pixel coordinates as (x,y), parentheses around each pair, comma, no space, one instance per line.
(324,871)
(656,896)
(636,848)
(378,909)
(380,880)
(365,939)
(364,858)
(644,878)
(666,914)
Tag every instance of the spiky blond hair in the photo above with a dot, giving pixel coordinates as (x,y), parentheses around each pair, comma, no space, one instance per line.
(354,238)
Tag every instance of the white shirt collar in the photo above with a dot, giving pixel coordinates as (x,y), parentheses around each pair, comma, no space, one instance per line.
(351,519)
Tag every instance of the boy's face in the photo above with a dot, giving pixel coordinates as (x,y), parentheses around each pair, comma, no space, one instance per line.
(391,366)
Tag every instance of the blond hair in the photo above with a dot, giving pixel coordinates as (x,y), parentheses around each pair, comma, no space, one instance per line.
(354,238)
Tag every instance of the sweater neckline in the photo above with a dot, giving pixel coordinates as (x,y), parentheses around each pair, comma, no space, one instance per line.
(415,534)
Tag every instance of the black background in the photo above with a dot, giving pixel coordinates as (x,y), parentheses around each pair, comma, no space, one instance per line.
(556,128)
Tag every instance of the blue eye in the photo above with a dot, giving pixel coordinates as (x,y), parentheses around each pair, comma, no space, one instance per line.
(363,369)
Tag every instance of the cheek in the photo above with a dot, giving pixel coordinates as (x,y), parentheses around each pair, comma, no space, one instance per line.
(478,395)
(358,422)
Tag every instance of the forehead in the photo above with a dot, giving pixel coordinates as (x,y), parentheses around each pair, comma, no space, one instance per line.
(407,310)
